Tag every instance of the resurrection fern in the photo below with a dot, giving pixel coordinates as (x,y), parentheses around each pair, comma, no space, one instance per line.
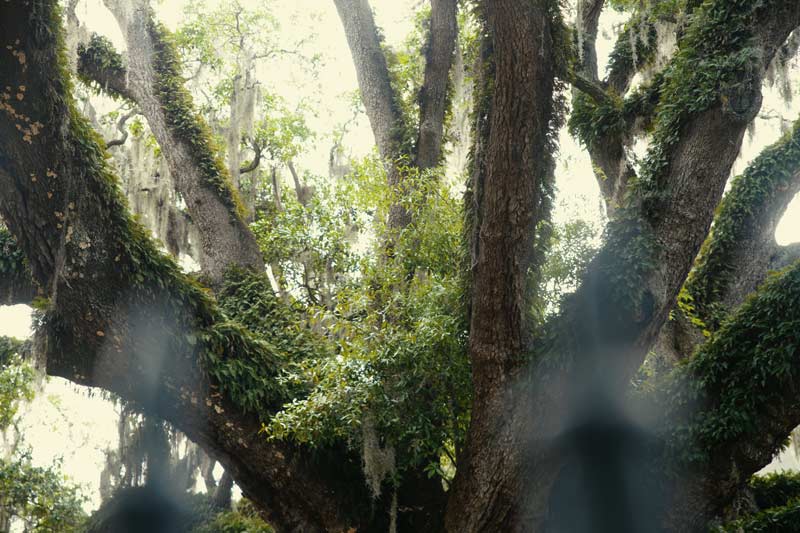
(99,55)
(748,365)
(744,207)
(183,119)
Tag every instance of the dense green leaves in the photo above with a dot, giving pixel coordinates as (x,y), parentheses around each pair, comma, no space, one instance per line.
(39,497)
(399,333)
(728,387)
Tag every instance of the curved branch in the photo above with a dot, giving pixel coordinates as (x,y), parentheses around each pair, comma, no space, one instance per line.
(633,283)
(253,165)
(732,406)
(121,128)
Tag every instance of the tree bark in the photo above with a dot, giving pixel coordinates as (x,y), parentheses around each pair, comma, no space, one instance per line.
(515,163)
(121,316)
(151,80)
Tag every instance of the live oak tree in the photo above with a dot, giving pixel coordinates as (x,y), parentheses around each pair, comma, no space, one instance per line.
(216,354)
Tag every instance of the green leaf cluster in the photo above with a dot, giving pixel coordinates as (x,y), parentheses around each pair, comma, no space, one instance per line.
(182,118)
(727,389)
(12,260)
(40,497)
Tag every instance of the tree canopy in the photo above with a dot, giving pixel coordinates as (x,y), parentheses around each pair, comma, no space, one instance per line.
(404,344)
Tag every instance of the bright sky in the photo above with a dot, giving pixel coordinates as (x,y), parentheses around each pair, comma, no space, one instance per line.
(65,421)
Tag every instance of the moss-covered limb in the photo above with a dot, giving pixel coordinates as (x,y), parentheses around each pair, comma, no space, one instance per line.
(728,409)
(710,91)
(380,99)
(741,247)
(512,187)
(377,92)
(607,125)
(121,315)
(101,66)
(155,84)
(16,285)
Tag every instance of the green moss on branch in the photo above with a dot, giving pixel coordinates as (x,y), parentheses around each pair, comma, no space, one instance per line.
(742,211)
(741,382)
(12,259)
(101,67)
(186,122)
(783,519)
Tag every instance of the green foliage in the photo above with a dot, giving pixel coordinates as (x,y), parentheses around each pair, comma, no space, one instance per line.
(242,519)
(636,45)
(714,65)
(401,352)
(615,117)
(16,385)
(40,497)
(784,519)
(311,243)
(183,119)
(775,489)
(725,392)
(741,212)
(574,244)
(12,260)
(283,133)
(99,55)
(407,72)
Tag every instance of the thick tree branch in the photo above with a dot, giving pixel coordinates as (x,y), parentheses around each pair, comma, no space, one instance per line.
(728,411)
(741,248)
(433,94)
(153,82)
(122,316)
(591,88)
(378,96)
(634,282)
(373,74)
(101,67)
(587,22)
